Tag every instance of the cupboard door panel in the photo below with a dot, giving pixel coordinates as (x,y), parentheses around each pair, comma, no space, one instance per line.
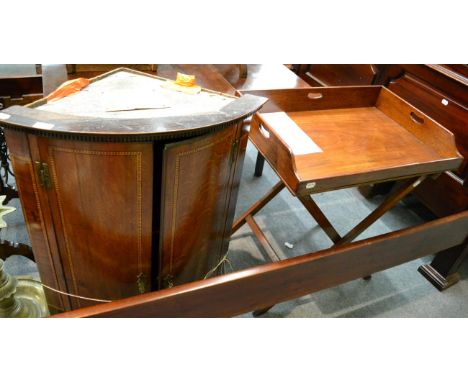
(101,199)
(196,191)
(38,219)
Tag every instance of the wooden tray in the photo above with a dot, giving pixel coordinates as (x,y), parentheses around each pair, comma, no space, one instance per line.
(320,139)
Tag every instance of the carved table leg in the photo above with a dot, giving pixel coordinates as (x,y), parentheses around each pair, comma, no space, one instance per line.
(442,271)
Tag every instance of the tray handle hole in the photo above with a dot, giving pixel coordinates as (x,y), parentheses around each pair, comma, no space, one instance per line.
(416,118)
(264,132)
(315,95)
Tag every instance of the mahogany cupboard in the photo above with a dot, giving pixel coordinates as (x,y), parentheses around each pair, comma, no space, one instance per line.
(127,186)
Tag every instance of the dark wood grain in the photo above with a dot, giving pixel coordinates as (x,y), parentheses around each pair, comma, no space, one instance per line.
(196,182)
(364,134)
(442,272)
(440,91)
(269,284)
(261,76)
(79,69)
(134,129)
(445,195)
(291,100)
(450,82)
(96,226)
(337,74)
(16,87)
(37,217)
(453,115)
(100,197)
(19,90)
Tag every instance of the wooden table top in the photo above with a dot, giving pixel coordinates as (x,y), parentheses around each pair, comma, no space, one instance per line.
(261,76)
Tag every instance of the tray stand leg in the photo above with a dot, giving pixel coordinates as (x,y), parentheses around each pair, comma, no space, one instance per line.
(257,206)
(247,217)
(406,187)
(320,217)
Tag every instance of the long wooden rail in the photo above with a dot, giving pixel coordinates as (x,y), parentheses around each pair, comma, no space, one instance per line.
(269,284)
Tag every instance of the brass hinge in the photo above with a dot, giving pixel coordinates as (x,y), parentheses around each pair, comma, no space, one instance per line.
(43,175)
(142,283)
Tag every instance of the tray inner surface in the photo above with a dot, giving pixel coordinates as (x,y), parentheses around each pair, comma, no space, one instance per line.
(356,140)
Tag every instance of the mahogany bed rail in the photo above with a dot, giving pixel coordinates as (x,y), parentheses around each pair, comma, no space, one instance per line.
(265,285)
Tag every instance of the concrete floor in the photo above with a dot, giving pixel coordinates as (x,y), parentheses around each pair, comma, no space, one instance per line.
(396,292)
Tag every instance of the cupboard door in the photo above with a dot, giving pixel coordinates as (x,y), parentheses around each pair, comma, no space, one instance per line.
(101,201)
(38,219)
(196,191)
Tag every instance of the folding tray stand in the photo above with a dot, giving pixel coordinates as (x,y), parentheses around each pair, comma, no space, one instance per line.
(324,139)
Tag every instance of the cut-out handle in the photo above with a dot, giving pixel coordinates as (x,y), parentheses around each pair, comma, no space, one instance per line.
(264,132)
(315,95)
(416,118)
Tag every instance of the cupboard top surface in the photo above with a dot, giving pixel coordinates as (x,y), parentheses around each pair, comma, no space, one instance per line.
(125,94)
(128,105)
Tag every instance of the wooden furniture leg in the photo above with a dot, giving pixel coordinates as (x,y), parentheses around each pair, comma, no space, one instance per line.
(320,218)
(257,206)
(406,187)
(262,238)
(247,217)
(259,165)
(442,271)
(268,249)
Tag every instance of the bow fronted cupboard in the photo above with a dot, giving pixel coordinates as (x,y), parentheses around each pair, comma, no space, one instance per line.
(127,186)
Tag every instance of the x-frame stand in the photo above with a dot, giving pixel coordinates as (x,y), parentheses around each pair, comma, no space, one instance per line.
(404,188)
